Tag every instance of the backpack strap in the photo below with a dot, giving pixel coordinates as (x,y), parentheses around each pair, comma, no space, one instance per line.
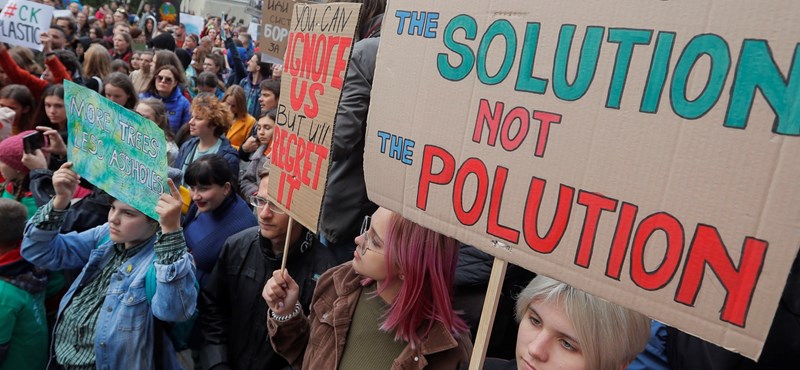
(99,84)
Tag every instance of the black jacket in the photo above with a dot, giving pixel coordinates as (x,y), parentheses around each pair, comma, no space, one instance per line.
(233,313)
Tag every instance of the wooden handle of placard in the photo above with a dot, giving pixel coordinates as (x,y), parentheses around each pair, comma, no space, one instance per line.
(286,245)
(487,314)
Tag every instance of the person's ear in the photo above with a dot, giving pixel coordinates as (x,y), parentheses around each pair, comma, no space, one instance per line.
(227,188)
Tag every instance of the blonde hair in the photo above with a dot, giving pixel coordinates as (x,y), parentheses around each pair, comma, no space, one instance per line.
(96,62)
(610,336)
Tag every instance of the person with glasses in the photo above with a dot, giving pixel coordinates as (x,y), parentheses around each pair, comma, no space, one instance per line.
(391,307)
(233,316)
(165,86)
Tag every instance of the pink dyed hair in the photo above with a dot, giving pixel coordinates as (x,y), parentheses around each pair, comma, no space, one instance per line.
(428,263)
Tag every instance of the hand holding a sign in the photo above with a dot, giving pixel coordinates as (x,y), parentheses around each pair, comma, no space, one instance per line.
(65,182)
(169,209)
(281,293)
(45,37)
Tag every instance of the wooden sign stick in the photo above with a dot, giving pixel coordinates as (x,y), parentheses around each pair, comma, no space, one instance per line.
(286,245)
(487,314)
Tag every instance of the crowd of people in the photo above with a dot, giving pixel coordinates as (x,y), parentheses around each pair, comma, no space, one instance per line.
(87,281)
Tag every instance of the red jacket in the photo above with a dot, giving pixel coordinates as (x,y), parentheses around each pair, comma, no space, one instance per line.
(18,75)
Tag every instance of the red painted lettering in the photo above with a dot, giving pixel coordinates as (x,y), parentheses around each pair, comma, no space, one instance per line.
(427,177)
(595,205)
(472,166)
(558,225)
(622,236)
(662,275)
(707,248)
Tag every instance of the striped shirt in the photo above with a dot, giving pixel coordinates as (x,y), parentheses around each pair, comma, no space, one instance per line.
(75,333)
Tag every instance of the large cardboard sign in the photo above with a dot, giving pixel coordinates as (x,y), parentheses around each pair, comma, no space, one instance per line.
(22,21)
(115,148)
(644,151)
(316,64)
(275,23)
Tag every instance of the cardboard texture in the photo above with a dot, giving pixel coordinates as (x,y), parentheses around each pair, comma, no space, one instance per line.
(316,64)
(644,151)
(116,149)
(22,21)
(275,21)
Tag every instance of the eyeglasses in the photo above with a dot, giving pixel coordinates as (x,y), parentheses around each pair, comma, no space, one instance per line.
(260,202)
(363,247)
(165,79)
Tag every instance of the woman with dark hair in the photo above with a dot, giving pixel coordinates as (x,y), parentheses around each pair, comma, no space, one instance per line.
(395,296)
(149,27)
(52,112)
(19,99)
(119,88)
(95,34)
(209,83)
(165,86)
(243,123)
(210,120)
(264,129)
(270,92)
(216,211)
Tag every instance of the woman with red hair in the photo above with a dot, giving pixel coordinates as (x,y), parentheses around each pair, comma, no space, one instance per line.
(401,278)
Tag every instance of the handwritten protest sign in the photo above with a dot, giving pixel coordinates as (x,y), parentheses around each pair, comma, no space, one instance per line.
(644,151)
(115,148)
(22,21)
(316,62)
(275,22)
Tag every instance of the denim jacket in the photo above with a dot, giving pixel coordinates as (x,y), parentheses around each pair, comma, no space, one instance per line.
(124,330)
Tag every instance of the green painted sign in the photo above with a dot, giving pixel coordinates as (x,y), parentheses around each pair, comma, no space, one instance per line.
(115,148)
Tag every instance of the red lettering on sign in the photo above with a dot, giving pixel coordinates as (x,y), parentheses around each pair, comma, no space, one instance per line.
(707,248)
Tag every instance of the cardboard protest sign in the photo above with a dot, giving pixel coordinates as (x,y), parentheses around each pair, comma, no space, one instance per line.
(194,23)
(644,151)
(275,22)
(316,62)
(22,21)
(115,148)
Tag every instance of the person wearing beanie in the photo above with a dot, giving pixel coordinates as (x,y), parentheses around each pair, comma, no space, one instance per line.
(162,41)
(15,172)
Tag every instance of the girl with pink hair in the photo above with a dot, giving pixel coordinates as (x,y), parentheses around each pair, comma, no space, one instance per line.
(391,307)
